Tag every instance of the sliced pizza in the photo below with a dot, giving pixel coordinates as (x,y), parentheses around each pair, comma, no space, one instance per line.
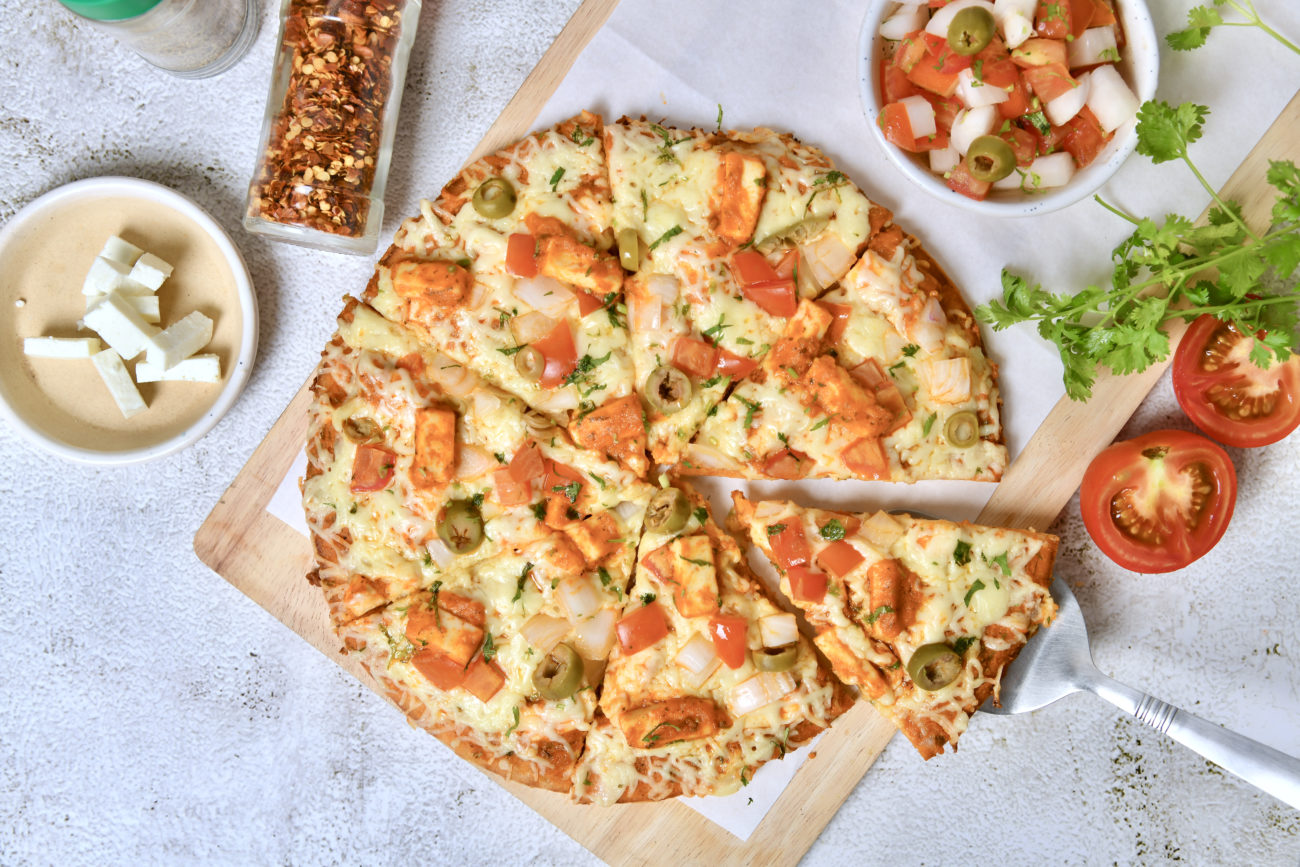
(417,468)
(709,679)
(920,614)
(510,272)
(882,377)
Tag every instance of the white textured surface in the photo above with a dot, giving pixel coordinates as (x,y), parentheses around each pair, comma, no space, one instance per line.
(151,713)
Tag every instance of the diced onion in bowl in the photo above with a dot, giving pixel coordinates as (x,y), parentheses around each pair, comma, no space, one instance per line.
(920,115)
(942,17)
(778,630)
(971,123)
(759,691)
(1067,105)
(579,597)
(546,294)
(973,92)
(1053,170)
(531,327)
(1023,8)
(544,631)
(1095,45)
(1110,99)
(907,19)
(827,257)
(1016,29)
(944,160)
(593,638)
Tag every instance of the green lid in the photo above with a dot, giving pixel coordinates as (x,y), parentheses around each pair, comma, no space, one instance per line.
(110,10)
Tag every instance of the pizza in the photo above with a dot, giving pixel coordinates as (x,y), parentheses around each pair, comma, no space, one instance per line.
(503,425)
(921,614)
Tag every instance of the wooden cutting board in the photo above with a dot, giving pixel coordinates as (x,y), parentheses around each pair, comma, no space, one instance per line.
(267,560)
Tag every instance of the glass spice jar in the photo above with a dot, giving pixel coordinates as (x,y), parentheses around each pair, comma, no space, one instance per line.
(188,38)
(331,117)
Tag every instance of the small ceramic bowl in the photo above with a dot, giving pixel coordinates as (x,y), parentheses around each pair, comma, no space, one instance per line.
(1139,66)
(62,405)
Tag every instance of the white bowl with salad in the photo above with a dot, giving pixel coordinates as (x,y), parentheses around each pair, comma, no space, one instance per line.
(1007,107)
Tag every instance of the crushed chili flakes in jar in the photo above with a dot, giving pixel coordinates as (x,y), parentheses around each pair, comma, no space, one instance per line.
(331,116)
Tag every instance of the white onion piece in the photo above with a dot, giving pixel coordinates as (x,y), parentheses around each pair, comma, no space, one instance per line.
(920,115)
(765,509)
(698,655)
(1067,105)
(760,690)
(708,458)
(556,401)
(881,531)
(1018,179)
(906,19)
(947,379)
(778,630)
(646,314)
(827,257)
(974,93)
(579,597)
(478,293)
(627,510)
(1023,8)
(928,329)
(943,17)
(1016,29)
(1053,170)
(544,631)
(1110,99)
(472,461)
(440,553)
(531,327)
(594,637)
(665,287)
(452,376)
(1095,45)
(485,403)
(944,160)
(970,124)
(545,294)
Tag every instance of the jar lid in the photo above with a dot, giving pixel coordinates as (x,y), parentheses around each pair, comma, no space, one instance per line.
(110,10)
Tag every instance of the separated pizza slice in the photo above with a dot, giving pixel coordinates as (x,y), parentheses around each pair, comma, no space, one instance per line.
(882,377)
(920,614)
(709,679)
(510,272)
(418,469)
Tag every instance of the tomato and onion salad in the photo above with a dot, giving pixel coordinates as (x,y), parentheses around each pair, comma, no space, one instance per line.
(1020,95)
(1227,395)
(1158,502)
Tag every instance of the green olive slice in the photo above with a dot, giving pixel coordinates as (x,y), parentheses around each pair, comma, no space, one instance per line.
(971,30)
(962,429)
(360,429)
(558,675)
(494,198)
(668,390)
(530,363)
(990,158)
(934,666)
(629,249)
(460,527)
(668,512)
(776,658)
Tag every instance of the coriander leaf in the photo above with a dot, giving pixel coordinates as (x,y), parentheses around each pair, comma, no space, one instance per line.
(974,588)
(1164,132)
(961,553)
(832,530)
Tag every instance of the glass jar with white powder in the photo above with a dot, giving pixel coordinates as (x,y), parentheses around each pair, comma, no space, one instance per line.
(188,38)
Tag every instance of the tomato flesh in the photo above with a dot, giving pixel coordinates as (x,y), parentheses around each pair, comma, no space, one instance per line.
(789,545)
(1159,502)
(694,357)
(642,628)
(521,258)
(807,585)
(735,366)
(560,354)
(728,634)
(839,558)
(372,468)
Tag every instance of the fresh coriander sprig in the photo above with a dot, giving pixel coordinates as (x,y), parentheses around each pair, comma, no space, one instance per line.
(1202,19)
(1170,270)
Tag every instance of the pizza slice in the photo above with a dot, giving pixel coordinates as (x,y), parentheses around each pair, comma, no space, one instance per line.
(418,469)
(510,271)
(709,679)
(882,377)
(716,226)
(920,614)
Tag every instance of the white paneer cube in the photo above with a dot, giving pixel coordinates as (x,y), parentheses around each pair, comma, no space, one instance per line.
(150,271)
(145,305)
(179,340)
(196,368)
(116,321)
(122,252)
(113,372)
(104,276)
(61,347)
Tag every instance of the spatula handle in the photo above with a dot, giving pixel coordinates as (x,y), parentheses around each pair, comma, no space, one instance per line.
(1262,766)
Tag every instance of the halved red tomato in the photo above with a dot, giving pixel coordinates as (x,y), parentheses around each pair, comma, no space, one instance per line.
(1226,395)
(642,628)
(372,468)
(521,255)
(728,634)
(1158,502)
